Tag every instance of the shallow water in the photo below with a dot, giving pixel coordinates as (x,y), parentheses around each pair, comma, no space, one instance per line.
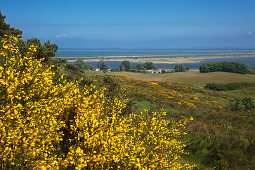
(250,61)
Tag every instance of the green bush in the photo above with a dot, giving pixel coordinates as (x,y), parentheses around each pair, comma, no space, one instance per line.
(228,86)
(246,104)
(225,67)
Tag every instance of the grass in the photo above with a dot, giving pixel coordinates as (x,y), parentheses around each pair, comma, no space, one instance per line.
(245,92)
(217,137)
(194,78)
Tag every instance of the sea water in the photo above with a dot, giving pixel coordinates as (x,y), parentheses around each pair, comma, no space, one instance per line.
(250,61)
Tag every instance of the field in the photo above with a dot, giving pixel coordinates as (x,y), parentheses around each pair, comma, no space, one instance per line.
(219,136)
(198,79)
(67,118)
(194,78)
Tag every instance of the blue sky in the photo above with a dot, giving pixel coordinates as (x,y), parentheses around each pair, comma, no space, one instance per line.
(139,24)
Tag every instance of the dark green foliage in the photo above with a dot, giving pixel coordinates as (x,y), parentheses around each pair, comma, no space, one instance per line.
(149,66)
(225,67)
(6,29)
(102,65)
(125,66)
(216,86)
(228,86)
(73,68)
(244,104)
(45,50)
(84,66)
(112,87)
(140,66)
(180,68)
(248,103)
(114,70)
(74,73)
(146,66)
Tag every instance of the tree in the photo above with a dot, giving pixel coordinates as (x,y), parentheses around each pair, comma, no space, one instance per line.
(140,66)
(84,66)
(102,65)
(224,66)
(125,66)
(45,50)
(149,66)
(180,68)
(6,29)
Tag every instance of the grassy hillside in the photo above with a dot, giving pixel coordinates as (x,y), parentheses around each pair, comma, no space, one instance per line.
(192,77)
(217,137)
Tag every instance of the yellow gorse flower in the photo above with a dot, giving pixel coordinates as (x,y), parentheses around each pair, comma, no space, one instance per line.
(47,125)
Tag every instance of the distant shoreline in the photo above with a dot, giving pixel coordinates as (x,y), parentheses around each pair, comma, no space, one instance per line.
(152,58)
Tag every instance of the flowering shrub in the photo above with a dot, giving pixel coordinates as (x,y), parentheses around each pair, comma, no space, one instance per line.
(176,95)
(44,124)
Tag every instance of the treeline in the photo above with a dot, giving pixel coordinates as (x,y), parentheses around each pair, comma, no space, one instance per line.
(228,86)
(126,66)
(225,67)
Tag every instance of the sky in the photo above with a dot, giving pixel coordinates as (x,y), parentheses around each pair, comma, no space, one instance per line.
(135,24)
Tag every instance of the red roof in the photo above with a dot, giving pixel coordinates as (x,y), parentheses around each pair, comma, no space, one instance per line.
(161,69)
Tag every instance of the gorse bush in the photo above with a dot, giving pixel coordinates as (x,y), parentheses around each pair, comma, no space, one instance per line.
(219,137)
(48,123)
(29,110)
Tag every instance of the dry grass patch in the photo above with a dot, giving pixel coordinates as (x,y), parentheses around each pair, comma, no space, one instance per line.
(192,77)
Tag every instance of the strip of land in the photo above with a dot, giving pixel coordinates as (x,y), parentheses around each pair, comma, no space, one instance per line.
(155,59)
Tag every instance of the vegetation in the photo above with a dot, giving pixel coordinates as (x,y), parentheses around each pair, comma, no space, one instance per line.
(85,121)
(244,104)
(140,66)
(252,70)
(45,50)
(47,123)
(218,137)
(146,66)
(224,66)
(84,66)
(125,66)
(102,65)
(194,78)
(228,86)
(181,68)
(5,29)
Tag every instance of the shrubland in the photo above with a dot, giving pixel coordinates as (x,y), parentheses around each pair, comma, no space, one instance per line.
(228,86)
(73,121)
(220,136)
(47,122)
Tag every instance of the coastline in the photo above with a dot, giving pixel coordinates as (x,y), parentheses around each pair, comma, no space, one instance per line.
(154,59)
